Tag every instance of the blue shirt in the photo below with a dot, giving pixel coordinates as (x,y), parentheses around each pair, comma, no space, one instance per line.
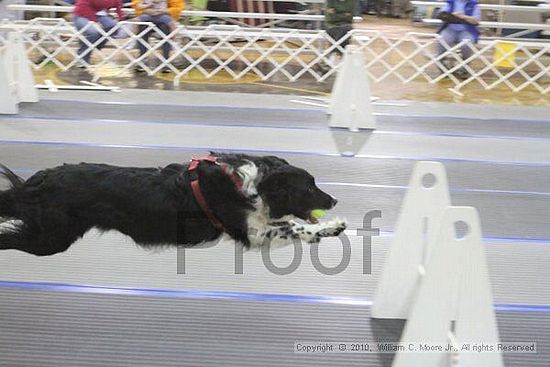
(459,8)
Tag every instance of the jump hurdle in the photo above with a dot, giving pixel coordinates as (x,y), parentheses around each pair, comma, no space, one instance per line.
(16,79)
(351,104)
(436,277)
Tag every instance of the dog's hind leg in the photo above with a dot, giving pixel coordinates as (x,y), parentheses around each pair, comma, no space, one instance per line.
(6,205)
(38,241)
(7,199)
(11,235)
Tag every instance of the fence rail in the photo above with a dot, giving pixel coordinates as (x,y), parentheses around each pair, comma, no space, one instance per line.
(290,54)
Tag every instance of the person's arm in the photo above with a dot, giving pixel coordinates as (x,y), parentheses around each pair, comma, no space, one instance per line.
(473,19)
(443,13)
(137,5)
(119,12)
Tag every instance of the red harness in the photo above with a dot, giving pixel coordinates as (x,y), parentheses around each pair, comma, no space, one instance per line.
(195,186)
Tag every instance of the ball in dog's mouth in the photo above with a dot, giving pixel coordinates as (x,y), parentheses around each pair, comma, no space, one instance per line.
(315,215)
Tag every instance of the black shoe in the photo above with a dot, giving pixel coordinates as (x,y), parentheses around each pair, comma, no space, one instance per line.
(139,69)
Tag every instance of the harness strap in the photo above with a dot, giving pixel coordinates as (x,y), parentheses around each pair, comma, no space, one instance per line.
(195,186)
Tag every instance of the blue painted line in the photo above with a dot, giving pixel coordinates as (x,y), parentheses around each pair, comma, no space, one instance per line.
(282,127)
(493,239)
(267,151)
(174,293)
(168,122)
(466,118)
(397,187)
(533,240)
(521,308)
(206,107)
(221,295)
(451,160)
(450,135)
(163,147)
(289,109)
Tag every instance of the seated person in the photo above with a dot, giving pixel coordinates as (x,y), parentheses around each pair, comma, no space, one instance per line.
(155,12)
(164,14)
(87,11)
(460,19)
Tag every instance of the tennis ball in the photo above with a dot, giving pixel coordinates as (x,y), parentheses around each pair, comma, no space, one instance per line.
(318,213)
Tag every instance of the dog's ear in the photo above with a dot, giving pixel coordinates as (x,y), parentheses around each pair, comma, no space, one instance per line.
(276,161)
(273,189)
(271,182)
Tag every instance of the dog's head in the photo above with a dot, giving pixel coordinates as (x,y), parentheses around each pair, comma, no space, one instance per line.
(289,190)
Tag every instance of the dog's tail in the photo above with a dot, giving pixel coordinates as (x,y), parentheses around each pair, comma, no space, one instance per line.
(8,174)
(7,197)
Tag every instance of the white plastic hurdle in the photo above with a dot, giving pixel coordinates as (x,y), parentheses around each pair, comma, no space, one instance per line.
(16,79)
(350,105)
(437,279)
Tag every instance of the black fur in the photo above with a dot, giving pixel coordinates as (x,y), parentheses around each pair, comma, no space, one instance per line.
(154,206)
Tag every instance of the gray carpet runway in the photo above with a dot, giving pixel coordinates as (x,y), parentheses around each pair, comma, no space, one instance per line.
(503,169)
(96,330)
(296,117)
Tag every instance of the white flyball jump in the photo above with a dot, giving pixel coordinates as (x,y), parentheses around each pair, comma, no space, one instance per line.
(351,105)
(417,228)
(16,79)
(436,277)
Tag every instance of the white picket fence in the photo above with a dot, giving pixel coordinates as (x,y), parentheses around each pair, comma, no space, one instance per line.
(291,53)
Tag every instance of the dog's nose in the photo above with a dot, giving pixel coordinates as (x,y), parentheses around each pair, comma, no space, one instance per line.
(333,202)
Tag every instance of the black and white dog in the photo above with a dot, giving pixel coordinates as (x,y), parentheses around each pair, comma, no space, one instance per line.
(255,200)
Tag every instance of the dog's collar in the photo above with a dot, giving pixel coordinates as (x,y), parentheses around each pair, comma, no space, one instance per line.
(195,185)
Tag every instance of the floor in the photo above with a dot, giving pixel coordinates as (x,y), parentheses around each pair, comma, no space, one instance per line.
(108,302)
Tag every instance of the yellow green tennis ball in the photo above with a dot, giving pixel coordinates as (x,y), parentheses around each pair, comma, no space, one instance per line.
(318,213)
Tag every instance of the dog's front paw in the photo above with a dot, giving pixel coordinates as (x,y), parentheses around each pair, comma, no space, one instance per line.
(314,239)
(332,228)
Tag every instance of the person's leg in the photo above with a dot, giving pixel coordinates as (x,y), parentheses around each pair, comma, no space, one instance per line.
(448,40)
(142,49)
(466,48)
(107,23)
(163,24)
(90,33)
(345,30)
(166,19)
(340,34)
